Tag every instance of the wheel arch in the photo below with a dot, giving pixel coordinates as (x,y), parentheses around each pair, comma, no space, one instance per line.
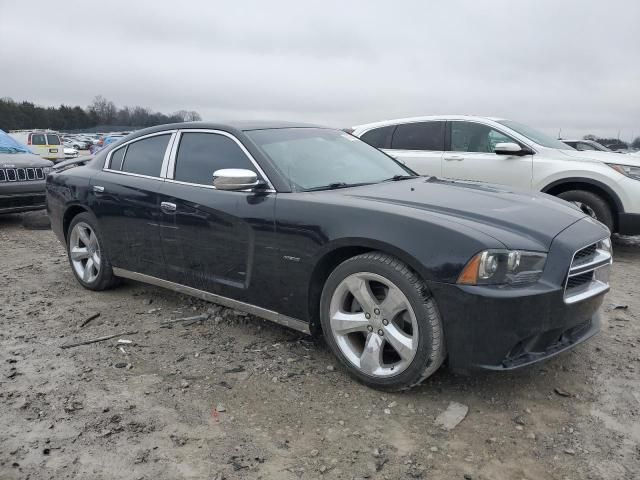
(589,185)
(337,252)
(70,212)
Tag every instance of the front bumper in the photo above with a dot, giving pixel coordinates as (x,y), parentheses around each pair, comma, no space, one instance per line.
(503,328)
(491,329)
(629,223)
(22,202)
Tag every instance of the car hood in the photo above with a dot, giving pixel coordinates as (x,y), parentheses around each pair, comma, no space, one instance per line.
(517,219)
(17,160)
(606,157)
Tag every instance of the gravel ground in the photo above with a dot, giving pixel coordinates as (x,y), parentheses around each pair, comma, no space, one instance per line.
(236,397)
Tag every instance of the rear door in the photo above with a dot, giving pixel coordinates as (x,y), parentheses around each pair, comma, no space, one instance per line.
(471,156)
(125,198)
(214,240)
(419,145)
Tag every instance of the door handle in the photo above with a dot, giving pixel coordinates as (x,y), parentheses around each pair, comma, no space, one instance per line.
(450,158)
(168,207)
(98,188)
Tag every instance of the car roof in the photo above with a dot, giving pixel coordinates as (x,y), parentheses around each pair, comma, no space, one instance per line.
(424,119)
(230,126)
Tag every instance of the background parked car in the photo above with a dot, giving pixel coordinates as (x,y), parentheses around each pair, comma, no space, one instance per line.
(586,145)
(22,177)
(76,143)
(604,185)
(45,143)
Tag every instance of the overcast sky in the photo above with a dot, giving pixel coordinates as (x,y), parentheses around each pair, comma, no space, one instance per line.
(553,64)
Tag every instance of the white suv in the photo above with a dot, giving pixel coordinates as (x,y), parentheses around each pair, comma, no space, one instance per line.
(604,185)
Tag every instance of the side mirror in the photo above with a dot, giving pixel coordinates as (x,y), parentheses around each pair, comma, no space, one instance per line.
(235,179)
(508,148)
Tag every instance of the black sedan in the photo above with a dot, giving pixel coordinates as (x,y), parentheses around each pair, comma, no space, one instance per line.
(313,229)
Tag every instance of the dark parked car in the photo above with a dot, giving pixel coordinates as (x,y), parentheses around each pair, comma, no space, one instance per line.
(22,177)
(316,230)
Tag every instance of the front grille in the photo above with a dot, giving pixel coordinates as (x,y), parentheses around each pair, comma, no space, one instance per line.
(589,273)
(585,254)
(21,174)
(579,280)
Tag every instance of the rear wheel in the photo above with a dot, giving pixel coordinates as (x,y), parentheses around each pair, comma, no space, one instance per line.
(89,261)
(381,323)
(591,204)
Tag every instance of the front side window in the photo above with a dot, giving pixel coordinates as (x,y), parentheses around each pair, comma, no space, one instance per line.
(379,137)
(145,156)
(585,147)
(53,139)
(476,137)
(419,136)
(38,139)
(316,158)
(201,154)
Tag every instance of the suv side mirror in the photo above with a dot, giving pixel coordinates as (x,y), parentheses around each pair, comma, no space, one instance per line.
(235,179)
(507,148)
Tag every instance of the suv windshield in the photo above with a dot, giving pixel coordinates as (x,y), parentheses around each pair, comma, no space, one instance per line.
(313,158)
(535,136)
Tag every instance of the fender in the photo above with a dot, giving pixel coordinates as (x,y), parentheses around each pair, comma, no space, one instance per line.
(589,181)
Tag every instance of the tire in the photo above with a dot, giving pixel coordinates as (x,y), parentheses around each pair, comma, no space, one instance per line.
(591,204)
(36,220)
(99,277)
(364,340)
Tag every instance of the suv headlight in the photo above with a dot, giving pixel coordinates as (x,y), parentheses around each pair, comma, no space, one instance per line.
(626,170)
(503,267)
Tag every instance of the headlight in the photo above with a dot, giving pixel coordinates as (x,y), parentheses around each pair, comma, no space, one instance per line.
(46,170)
(626,170)
(503,267)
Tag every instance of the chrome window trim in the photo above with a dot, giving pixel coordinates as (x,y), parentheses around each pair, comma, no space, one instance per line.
(107,162)
(174,153)
(271,315)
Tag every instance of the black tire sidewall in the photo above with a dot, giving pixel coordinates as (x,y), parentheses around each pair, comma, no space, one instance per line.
(599,205)
(105,276)
(412,374)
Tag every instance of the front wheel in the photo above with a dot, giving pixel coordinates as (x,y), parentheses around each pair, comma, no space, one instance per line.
(89,261)
(591,204)
(381,322)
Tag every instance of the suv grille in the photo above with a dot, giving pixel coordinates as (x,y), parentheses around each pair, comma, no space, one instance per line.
(21,174)
(589,273)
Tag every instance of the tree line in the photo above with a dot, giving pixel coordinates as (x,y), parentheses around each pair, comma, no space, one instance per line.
(102,112)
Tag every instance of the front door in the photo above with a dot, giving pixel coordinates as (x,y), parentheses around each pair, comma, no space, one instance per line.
(213,240)
(471,157)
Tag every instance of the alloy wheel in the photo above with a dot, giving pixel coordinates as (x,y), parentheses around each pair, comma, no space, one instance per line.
(586,209)
(84,251)
(373,324)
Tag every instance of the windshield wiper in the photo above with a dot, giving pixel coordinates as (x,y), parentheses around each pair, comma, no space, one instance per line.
(395,178)
(335,186)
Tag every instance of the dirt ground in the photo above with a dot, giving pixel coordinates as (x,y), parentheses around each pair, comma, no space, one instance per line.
(236,397)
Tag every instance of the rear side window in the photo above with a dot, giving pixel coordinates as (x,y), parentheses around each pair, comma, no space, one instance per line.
(144,157)
(419,136)
(116,159)
(53,139)
(379,137)
(38,139)
(201,154)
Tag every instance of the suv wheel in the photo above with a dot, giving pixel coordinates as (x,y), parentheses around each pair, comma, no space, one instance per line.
(591,204)
(380,321)
(89,261)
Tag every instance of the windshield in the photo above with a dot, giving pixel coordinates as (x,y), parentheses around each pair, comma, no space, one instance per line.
(536,136)
(312,158)
(10,145)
